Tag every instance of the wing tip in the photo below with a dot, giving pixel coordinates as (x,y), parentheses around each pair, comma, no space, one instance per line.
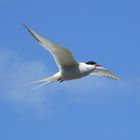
(116,78)
(119,78)
(26,27)
(31,32)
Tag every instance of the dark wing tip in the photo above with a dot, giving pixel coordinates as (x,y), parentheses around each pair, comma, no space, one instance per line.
(26,27)
(116,77)
(119,78)
(31,32)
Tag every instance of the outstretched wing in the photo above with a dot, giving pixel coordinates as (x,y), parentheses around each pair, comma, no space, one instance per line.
(100,71)
(62,56)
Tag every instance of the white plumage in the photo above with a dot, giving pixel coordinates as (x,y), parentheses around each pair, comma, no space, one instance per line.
(69,67)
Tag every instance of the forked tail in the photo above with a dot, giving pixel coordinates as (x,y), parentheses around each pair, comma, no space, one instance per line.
(45,81)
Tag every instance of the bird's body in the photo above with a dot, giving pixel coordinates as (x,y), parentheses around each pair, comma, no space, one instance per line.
(69,67)
(77,72)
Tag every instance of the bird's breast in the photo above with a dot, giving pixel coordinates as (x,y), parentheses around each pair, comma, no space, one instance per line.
(74,73)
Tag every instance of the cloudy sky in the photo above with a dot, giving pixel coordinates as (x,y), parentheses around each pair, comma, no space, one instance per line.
(91,108)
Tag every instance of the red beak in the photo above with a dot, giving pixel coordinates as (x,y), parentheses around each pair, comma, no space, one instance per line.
(98,65)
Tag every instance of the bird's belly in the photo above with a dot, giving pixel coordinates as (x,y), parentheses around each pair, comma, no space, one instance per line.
(72,74)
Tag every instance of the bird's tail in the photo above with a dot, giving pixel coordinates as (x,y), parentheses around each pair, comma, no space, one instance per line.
(45,81)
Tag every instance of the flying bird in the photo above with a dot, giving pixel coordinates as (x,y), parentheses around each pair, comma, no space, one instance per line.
(69,67)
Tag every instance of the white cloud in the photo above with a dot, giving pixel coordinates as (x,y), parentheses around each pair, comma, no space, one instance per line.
(15,73)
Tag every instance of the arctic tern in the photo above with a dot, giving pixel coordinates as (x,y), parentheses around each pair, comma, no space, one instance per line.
(69,67)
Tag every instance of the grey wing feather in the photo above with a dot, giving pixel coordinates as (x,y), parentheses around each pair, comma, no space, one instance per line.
(63,56)
(100,71)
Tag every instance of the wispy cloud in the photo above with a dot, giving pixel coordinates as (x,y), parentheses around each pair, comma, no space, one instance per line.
(15,73)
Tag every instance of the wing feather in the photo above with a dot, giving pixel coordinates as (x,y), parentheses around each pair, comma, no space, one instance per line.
(100,71)
(63,56)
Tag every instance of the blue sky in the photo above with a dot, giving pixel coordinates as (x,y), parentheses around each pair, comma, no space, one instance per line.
(91,108)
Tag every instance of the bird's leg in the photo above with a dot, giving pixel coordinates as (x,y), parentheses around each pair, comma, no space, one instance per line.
(60,79)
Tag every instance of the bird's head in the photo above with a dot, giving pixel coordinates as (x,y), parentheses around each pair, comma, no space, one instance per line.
(93,63)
